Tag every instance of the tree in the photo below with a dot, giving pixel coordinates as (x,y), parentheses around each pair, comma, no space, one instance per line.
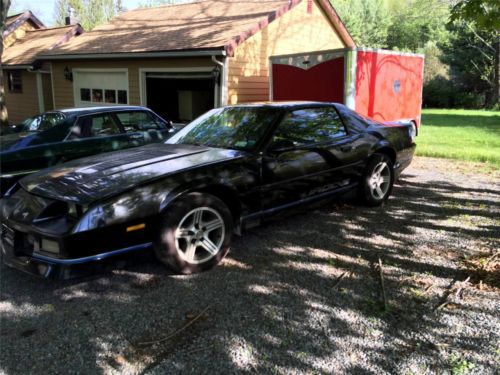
(368,21)
(89,13)
(4,116)
(416,23)
(483,15)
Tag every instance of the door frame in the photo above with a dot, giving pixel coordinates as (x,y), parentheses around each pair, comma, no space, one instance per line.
(143,84)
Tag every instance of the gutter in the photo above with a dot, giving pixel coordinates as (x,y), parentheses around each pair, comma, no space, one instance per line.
(133,55)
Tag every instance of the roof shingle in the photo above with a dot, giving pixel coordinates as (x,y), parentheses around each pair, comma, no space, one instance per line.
(26,50)
(208,24)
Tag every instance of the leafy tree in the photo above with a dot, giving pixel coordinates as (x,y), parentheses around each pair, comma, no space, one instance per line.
(483,16)
(416,23)
(89,13)
(368,21)
(4,117)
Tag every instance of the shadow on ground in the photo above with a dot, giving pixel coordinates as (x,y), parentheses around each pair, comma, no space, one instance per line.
(299,294)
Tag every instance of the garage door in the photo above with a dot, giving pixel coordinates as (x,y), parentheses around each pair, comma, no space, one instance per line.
(100,88)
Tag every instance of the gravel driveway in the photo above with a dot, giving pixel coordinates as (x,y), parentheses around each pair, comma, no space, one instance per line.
(302,294)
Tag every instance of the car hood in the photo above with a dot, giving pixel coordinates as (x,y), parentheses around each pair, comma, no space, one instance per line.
(84,181)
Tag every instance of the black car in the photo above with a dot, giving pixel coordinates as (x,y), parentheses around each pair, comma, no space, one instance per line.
(58,136)
(227,170)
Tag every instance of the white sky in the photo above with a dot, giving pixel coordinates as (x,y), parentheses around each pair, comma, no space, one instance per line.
(44,9)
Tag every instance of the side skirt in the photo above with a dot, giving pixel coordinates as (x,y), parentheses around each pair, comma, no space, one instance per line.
(253,219)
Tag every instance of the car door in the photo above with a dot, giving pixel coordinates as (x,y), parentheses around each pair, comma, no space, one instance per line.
(143,127)
(307,157)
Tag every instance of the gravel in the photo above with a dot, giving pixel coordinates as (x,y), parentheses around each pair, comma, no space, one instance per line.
(301,294)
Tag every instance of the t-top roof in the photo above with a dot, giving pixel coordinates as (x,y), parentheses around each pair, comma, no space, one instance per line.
(200,25)
(26,50)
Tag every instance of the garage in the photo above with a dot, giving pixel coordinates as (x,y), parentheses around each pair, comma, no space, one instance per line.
(180,96)
(100,87)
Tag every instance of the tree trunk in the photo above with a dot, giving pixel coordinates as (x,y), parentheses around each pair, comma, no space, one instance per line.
(496,82)
(4,117)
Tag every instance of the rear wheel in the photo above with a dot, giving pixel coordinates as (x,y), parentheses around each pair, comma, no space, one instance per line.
(195,233)
(377,181)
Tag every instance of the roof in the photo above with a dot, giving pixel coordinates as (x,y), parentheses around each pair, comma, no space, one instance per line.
(100,109)
(200,25)
(16,20)
(26,50)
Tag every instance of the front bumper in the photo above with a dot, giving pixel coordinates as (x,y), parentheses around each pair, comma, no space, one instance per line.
(62,269)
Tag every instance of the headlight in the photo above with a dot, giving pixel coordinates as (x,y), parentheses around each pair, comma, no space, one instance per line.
(50,246)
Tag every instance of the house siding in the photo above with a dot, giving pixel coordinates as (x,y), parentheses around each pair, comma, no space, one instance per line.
(294,32)
(63,89)
(24,104)
(18,33)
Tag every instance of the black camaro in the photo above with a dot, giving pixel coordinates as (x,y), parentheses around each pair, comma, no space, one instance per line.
(227,170)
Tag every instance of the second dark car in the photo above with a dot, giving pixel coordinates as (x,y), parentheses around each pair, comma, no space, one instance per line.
(227,170)
(58,136)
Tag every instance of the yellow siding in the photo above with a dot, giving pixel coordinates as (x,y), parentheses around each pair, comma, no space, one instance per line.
(294,32)
(63,89)
(25,104)
(18,33)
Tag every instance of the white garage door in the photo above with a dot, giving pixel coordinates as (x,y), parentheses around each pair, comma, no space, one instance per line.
(92,88)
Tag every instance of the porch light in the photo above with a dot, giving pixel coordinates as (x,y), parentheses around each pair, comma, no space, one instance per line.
(68,75)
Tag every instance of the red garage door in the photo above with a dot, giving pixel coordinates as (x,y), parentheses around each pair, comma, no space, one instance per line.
(301,79)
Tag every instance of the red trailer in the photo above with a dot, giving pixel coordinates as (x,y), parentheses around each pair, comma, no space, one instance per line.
(383,85)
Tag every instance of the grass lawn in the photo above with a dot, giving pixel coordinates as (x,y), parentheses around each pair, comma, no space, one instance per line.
(460,134)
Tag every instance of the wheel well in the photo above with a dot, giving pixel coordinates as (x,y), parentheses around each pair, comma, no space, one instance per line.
(226,195)
(389,152)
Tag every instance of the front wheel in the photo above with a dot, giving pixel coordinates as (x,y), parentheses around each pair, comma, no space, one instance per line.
(377,181)
(195,234)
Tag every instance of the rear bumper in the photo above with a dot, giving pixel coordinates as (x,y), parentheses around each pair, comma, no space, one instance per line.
(62,269)
(404,159)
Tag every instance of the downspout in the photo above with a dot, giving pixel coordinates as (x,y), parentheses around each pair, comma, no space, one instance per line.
(39,89)
(222,90)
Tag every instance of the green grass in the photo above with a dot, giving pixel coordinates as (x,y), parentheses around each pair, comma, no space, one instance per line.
(468,135)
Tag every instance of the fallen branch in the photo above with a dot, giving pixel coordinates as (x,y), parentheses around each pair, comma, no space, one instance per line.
(462,286)
(176,332)
(427,290)
(339,279)
(490,259)
(381,272)
(444,299)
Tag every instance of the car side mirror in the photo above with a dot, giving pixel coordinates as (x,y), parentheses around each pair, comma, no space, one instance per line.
(281,145)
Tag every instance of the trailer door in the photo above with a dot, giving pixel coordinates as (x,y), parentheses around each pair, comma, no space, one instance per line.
(318,77)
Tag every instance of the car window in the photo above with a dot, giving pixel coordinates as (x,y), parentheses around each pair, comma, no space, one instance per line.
(310,125)
(41,122)
(355,121)
(134,121)
(95,126)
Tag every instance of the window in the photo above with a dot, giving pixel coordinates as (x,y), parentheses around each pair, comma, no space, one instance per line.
(354,121)
(15,82)
(138,121)
(109,96)
(95,126)
(312,125)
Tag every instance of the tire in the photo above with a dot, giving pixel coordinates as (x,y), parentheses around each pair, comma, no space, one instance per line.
(377,181)
(195,233)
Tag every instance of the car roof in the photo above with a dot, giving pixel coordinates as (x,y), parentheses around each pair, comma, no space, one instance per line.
(99,109)
(285,104)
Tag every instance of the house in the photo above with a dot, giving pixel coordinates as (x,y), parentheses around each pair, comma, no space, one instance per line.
(27,81)
(181,60)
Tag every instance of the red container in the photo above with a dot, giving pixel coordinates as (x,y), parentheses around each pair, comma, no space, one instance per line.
(383,85)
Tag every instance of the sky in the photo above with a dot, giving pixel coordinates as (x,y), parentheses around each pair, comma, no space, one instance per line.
(44,9)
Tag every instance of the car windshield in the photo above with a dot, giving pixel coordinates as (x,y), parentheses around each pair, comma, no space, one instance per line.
(41,122)
(240,128)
